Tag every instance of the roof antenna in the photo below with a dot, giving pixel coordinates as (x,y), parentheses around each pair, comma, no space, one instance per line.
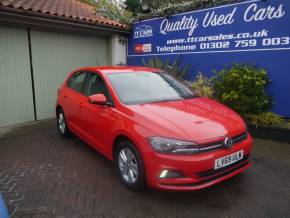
(98,63)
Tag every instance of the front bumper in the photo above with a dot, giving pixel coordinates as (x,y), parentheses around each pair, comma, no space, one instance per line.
(197,170)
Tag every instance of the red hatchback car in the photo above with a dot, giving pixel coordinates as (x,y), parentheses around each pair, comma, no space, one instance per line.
(155,129)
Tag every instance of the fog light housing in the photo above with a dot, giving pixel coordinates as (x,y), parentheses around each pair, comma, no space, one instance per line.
(170,174)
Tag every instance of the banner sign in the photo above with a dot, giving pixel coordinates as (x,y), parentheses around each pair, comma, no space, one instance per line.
(254,31)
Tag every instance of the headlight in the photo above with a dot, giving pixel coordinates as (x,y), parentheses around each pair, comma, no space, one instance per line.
(173,146)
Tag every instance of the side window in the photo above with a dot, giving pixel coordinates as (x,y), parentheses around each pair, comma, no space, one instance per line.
(76,82)
(95,85)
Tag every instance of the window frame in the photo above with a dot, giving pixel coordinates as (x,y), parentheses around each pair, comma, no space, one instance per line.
(83,85)
(146,102)
(109,97)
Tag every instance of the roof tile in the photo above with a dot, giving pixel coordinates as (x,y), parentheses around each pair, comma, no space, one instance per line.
(62,8)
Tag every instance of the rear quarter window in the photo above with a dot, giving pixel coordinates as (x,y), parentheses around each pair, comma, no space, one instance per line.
(76,82)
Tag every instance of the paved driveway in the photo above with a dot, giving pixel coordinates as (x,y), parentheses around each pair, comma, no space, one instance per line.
(42,175)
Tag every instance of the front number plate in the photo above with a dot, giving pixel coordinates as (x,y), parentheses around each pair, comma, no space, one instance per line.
(228,160)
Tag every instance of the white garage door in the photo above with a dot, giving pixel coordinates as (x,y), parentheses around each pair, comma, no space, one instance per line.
(54,55)
(16,101)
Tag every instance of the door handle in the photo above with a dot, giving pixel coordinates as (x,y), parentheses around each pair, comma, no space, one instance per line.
(82,105)
(65,96)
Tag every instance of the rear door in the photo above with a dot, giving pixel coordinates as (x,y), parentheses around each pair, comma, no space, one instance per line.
(73,98)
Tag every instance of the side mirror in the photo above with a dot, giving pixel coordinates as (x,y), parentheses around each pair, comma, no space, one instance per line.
(99,99)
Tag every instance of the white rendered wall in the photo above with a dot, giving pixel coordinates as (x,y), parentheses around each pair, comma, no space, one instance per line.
(118,50)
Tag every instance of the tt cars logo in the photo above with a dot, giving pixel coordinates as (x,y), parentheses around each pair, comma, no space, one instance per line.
(143,48)
(228,143)
(143,31)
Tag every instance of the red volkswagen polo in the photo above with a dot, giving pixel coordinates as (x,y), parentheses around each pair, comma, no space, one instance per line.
(155,129)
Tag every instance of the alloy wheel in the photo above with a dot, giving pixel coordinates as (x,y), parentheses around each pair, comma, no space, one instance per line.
(61,123)
(128,166)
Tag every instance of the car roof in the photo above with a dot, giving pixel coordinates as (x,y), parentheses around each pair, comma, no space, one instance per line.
(119,69)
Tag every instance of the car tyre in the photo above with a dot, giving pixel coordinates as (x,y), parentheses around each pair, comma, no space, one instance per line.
(130,166)
(62,127)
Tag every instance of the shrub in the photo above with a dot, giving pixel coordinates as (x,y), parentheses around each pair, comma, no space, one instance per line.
(111,10)
(171,67)
(242,88)
(264,119)
(287,124)
(202,86)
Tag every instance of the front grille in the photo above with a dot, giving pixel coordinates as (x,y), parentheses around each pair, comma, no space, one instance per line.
(214,172)
(239,138)
(220,144)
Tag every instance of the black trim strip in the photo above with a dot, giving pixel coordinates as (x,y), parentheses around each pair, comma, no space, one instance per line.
(214,172)
(210,179)
(31,73)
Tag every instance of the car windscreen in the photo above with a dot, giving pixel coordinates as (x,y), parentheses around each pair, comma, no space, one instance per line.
(148,87)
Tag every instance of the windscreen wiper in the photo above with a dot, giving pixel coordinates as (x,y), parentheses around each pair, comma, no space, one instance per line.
(165,100)
(190,96)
